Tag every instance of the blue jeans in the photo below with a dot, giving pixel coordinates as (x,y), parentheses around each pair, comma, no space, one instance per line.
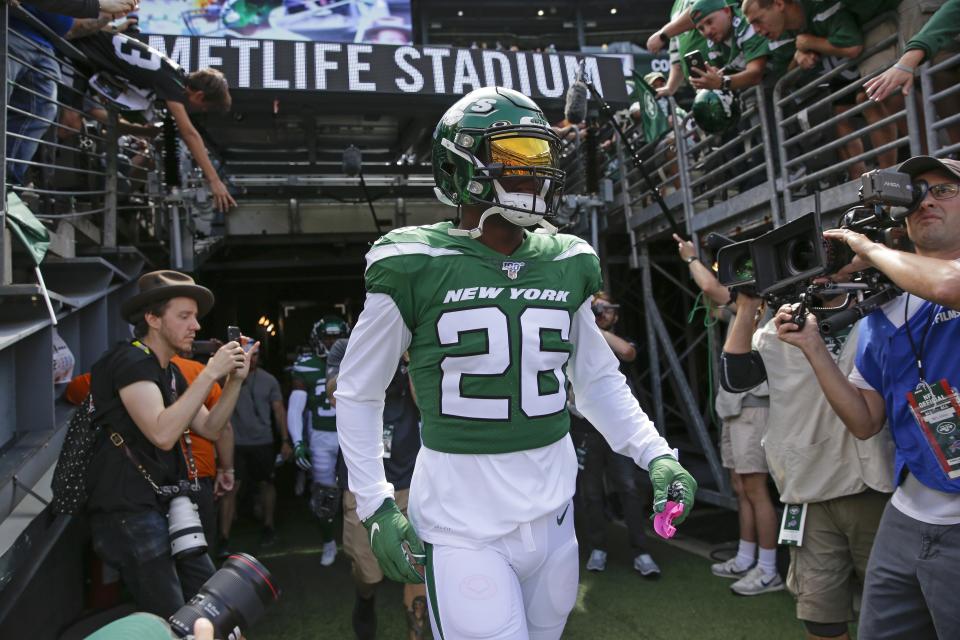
(138,546)
(35,94)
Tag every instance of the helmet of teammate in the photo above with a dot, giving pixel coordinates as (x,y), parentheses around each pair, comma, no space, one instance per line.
(325,332)
(716,110)
(495,149)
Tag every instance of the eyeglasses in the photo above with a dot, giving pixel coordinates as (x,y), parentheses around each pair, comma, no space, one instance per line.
(942,191)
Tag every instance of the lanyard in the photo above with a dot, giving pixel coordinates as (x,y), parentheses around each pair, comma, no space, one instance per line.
(918,353)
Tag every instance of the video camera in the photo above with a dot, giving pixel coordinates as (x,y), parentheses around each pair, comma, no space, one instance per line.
(781,264)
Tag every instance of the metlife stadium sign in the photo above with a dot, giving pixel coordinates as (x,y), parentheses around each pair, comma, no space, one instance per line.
(374,68)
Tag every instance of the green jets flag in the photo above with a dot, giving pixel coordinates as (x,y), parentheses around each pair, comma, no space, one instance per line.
(25,226)
(654,120)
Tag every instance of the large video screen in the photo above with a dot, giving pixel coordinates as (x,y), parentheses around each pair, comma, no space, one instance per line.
(372,21)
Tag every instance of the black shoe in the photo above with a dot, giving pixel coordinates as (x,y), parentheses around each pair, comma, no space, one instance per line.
(364,618)
(268,537)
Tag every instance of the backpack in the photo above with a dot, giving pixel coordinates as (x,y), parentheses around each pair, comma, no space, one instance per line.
(69,478)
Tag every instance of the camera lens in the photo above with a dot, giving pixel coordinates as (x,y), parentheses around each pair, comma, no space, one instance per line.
(186,530)
(233,599)
(800,256)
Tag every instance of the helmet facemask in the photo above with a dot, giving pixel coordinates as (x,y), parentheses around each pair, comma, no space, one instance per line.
(512,171)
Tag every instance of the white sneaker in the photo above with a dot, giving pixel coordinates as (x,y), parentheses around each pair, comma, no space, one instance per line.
(757,582)
(597,561)
(646,566)
(329,553)
(729,569)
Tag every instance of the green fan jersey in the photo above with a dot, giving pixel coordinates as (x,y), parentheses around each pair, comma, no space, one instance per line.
(743,45)
(311,370)
(491,333)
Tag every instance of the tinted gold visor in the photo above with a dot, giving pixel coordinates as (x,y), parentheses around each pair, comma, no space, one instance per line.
(522,152)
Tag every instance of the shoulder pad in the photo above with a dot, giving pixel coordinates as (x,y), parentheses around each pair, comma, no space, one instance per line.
(427,241)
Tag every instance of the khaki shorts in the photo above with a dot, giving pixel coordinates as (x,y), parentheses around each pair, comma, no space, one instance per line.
(826,574)
(886,57)
(355,541)
(740,441)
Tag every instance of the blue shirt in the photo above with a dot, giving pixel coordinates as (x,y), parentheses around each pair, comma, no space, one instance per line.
(887,362)
(59,24)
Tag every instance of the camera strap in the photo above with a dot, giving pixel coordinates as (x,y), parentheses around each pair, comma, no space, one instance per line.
(121,444)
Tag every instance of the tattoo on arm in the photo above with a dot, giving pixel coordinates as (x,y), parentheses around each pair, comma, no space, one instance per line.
(87,26)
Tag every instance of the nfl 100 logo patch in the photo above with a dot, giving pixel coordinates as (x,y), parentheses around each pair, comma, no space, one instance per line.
(512,268)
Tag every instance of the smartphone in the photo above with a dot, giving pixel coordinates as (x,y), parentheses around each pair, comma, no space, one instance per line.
(694,60)
(233,334)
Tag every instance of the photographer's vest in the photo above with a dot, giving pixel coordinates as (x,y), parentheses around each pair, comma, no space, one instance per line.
(887,361)
(811,455)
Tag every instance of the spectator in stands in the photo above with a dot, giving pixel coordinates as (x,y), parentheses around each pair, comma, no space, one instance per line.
(259,410)
(600,461)
(145,401)
(736,54)
(936,41)
(32,77)
(214,457)
(905,376)
(401,443)
(826,38)
(933,42)
(681,38)
(833,486)
(205,90)
(86,8)
(744,423)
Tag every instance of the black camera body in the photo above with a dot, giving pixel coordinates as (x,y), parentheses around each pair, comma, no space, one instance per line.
(781,264)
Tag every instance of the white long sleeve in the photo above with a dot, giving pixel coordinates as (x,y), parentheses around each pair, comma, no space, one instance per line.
(375,347)
(603,396)
(295,406)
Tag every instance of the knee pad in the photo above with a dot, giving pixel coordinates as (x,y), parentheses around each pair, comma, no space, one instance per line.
(324,501)
(551,598)
(477,597)
(825,629)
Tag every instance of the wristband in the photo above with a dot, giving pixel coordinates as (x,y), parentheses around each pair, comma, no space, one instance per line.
(224,470)
(664,38)
(904,68)
(725,83)
(691,259)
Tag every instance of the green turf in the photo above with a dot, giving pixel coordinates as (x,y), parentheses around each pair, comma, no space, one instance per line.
(687,602)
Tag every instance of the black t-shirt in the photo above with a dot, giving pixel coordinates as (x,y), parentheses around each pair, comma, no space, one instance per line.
(115,483)
(401,423)
(142,65)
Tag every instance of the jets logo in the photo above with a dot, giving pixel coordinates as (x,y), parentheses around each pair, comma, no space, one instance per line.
(512,268)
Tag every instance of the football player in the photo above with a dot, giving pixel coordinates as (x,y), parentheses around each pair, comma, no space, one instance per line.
(496,318)
(315,443)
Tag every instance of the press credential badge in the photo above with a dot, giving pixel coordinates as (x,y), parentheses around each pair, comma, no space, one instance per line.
(937,411)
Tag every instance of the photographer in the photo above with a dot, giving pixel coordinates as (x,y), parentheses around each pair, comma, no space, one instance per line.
(743,424)
(835,484)
(145,458)
(906,369)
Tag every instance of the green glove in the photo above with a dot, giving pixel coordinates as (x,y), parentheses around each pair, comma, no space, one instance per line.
(671,482)
(395,544)
(301,455)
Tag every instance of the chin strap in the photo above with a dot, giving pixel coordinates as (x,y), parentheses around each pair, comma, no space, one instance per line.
(545,227)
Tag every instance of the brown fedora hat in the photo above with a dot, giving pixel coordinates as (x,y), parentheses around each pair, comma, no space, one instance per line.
(164,285)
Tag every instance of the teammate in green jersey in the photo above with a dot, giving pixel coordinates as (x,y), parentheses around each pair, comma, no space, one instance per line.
(315,440)
(496,320)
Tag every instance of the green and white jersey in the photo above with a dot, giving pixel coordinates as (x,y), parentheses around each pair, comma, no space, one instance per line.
(743,45)
(311,371)
(490,333)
